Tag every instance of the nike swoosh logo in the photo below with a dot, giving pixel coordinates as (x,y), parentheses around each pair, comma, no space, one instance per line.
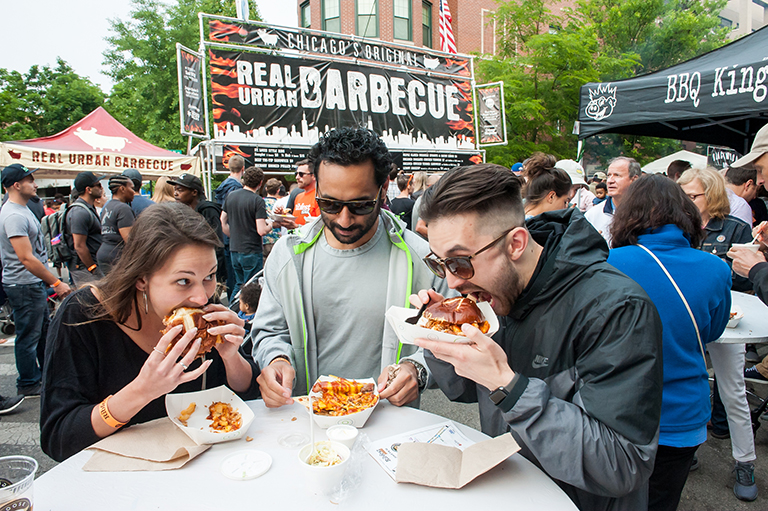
(539,365)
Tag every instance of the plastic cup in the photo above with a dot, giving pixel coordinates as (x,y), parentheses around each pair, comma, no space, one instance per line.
(323,480)
(343,434)
(750,246)
(17,473)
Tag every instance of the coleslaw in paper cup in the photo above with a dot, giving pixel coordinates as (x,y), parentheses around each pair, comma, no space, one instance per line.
(408,333)
(198,427)
(357,419)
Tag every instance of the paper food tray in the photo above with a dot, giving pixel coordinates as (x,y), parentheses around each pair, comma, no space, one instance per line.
(408,333)
(198,427)
(353,419)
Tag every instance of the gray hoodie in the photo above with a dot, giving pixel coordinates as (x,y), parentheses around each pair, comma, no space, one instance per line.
(284,323)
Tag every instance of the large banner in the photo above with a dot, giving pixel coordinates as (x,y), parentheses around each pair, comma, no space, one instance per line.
(337,46)
(284,158)
(490,118)
(267,98)
(191,93)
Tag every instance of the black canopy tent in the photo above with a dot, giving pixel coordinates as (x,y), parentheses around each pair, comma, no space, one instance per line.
(718,98)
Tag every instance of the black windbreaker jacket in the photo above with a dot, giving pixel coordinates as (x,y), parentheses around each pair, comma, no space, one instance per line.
(585,343)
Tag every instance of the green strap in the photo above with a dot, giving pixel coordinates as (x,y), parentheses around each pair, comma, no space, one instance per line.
(409,283)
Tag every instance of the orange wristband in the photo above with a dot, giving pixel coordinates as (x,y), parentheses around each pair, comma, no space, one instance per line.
(91,268)
(57,283)
(107,417)
(279,357)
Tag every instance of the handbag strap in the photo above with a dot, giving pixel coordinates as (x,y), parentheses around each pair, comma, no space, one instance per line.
(682,297)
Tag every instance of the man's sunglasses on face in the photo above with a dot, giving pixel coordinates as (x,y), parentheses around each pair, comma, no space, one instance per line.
(302,174)
(355,207)
(460,266)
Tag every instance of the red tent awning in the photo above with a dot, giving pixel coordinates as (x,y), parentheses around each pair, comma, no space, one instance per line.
(98,142)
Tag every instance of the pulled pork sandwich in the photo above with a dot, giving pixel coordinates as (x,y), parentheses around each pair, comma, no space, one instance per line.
(448,316)
(192,318)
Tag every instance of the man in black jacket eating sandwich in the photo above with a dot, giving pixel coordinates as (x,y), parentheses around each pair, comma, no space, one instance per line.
(575,372)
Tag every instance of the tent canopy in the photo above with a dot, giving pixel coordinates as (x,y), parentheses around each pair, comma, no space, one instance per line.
(698,161)
(99,143)
(718,98)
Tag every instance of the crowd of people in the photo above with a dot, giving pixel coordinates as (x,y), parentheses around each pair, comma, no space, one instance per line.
(609,294)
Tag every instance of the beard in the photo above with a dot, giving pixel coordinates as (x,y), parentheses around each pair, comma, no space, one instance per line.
(352,233)
(503,293)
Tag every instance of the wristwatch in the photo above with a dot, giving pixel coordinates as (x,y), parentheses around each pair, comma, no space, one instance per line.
(498,395)
(421,373)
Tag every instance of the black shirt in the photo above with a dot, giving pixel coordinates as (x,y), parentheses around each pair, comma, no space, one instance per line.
(85,222)
(243,208)
(86,361)
(403,207)
(115,215)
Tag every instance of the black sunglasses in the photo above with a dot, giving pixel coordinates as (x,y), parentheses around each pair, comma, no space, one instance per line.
(355,207)
(460,266)
(302,174)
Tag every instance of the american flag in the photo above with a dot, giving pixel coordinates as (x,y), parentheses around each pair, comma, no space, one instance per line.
(447,42)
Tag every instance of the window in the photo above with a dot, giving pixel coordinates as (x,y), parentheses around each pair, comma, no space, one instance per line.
(725,22)
(367,18)
(426,24)
(331,16)
(402,23)
(306,18)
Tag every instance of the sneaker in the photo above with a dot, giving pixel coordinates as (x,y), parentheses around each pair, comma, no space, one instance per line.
(745,487)
(9,404)
(753,375)
(695,464)
(720,436)
(752,355)
(30,390)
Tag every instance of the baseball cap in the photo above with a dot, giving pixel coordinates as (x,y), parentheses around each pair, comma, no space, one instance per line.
(759,148)
(15,173)
(600,175)
(574,170)
(135,176)
(517,167)
(191,182)
(86,179)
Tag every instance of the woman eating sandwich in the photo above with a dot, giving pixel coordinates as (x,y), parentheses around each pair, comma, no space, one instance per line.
(110,359)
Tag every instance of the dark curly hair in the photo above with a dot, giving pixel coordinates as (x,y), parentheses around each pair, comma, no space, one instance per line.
(651,202)
(252,177)
(351,146)
(250,294)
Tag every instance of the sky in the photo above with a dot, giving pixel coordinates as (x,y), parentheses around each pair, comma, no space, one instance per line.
(38,32)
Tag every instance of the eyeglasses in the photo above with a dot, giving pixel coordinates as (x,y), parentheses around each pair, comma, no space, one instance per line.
(302,174)
(460,266)
(355,207)
(695,196)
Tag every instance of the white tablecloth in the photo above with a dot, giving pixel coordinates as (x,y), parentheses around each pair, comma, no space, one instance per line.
(753,327)
(514,484)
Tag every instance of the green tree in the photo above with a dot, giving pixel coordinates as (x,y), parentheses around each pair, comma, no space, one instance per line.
(545,59)
(141,61)
(44,101)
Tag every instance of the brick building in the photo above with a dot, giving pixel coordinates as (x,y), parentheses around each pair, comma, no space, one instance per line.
(413,22)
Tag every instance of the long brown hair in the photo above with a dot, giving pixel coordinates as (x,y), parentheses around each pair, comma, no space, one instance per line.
(159,231)
(651,202)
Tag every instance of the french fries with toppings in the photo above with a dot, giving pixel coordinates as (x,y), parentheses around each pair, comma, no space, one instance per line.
(342,397)
(224,418)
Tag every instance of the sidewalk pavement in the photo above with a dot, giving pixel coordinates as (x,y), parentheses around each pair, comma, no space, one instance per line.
(710,488)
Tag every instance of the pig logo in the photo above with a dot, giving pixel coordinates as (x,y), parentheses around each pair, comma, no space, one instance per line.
(601,102)
(97,141)
(431,63)
(269,39)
